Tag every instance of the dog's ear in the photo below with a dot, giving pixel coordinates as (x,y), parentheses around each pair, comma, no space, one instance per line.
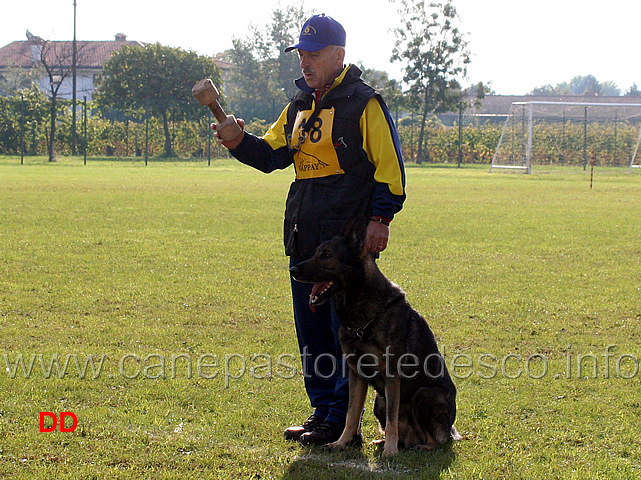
(354,231)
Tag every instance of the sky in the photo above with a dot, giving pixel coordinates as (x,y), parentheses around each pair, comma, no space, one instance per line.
(516,45)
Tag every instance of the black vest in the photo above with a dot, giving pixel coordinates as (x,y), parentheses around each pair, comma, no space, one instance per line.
(318,206)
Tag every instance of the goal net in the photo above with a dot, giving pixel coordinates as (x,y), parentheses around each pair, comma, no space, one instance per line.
(569,133)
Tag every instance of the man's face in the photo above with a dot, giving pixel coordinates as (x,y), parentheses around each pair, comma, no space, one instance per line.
(321,67)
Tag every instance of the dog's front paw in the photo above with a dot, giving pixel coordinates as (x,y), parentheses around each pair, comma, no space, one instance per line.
(346,441)
(390,449)
(338,444)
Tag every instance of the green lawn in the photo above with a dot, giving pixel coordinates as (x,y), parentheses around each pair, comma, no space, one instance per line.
(153,303)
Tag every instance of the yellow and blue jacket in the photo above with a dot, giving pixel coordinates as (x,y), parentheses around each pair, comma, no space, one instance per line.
(346,154)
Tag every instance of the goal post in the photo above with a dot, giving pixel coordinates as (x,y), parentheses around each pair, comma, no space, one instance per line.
(514,150)
(635,162)
(569,133)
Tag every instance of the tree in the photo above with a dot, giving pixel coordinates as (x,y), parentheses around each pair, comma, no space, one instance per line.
(56,59)
(20,116)
(436,54)
(586,85)
(390,89)
(155,80)
(273,41)
(610,89)
(262,80)
(14,79)
(633,91)
(548,90)
(479,91)
(248,89)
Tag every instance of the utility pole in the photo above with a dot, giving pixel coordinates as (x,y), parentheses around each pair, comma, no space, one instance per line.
(74,59)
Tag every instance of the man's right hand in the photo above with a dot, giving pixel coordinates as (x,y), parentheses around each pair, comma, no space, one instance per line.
(231,144)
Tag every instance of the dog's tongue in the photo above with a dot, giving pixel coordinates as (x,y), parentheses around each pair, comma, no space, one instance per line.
(317,289)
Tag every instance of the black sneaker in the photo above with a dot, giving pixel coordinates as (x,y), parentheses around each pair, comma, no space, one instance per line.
(294,433)
(326,432)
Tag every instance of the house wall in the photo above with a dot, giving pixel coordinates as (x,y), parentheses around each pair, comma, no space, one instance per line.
(85,86)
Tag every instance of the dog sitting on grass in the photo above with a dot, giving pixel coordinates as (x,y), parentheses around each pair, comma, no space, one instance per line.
(387,344)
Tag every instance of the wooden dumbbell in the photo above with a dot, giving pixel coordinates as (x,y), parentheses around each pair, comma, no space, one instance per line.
(207,94)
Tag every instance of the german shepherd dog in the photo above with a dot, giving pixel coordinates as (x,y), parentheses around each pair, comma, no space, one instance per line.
(386,343)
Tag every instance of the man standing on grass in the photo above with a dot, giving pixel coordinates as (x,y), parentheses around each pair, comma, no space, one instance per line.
(340,137)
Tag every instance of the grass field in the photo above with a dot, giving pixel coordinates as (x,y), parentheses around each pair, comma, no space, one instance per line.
(153,303)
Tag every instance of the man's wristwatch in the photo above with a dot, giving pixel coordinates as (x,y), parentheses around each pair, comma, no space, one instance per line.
(379,219)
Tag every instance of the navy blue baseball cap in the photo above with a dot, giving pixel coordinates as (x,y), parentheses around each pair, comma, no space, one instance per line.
(318,32)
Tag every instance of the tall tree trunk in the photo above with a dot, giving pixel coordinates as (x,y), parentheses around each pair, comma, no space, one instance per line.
(426,108)
(421,135)
(168,143)
(52,131)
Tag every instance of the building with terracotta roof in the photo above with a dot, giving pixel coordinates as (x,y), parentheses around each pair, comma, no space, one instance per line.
(91,58)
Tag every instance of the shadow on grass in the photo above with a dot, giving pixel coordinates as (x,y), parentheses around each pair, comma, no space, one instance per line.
(319,463)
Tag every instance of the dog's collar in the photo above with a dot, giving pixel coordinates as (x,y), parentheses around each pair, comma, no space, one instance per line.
(360,331)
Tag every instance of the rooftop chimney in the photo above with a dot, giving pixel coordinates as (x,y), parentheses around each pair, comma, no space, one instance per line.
(121,37)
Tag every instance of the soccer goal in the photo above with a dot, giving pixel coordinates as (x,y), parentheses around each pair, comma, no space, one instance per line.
(569,133)
(634,160)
